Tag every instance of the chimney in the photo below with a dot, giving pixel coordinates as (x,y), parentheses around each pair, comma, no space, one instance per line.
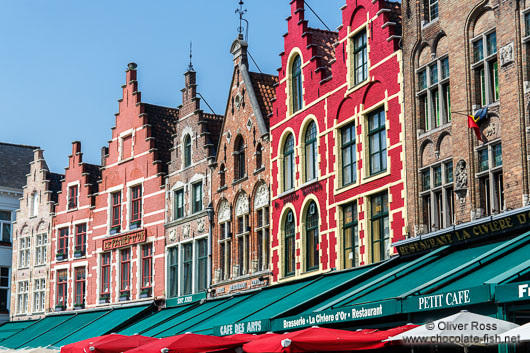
(131,72)
(76,147)
(104,154)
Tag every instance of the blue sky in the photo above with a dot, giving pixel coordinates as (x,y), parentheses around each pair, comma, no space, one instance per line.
(63,61)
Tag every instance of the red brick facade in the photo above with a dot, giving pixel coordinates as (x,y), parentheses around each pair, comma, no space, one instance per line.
(189,185)
(240,181)
(337,155)
(120,209)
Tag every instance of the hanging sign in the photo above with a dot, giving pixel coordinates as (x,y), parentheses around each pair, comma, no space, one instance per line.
(185,299)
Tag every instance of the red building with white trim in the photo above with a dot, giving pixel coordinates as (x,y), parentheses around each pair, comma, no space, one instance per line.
(108,240)
(337,150)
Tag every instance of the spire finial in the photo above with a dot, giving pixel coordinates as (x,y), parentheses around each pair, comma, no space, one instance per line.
(241,12)
(190,67)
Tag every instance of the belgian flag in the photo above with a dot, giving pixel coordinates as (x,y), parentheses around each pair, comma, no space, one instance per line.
(472,121)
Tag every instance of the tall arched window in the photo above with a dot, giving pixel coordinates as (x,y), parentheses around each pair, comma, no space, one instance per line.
(288,163)
(311,232)
(259,156)
(187,151)
(296,79)
(289,244)
(34,203)
(222,179)
(311,152)
(239,158)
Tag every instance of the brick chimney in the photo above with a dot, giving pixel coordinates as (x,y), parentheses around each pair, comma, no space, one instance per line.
(131,72)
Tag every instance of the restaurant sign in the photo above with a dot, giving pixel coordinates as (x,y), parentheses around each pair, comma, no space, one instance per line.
(446,300)
(124,240)
(346,314)
(512,292)
(185,299)
(255,326)
(490,227)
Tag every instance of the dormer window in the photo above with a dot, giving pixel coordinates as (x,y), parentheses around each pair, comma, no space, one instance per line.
(72,197)
(296,82)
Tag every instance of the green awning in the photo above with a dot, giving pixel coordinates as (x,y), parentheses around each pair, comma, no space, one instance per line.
(65,329)
(321,287)
(253,304)
(39,328)
(105,324)
(408,278)
(10,328)
(386,269)
(154,320)
(209,315)
(197,310)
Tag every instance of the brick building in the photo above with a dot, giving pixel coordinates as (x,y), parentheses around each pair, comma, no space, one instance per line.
(31,245)
(240,181)
(460,57)
(189,185)
(337,142)
(14,160)
(108,241)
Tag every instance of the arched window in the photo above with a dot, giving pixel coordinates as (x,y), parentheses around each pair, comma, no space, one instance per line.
(289,244)
(259,157)
(239,158)
(224,218)
(34,203)
(311,152)
(288,163)
(261,207)
(187,151)
(296,79)
(311,232)
(222,179)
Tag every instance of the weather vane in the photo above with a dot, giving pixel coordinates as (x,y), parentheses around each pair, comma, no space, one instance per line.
(241,12)
(190,67)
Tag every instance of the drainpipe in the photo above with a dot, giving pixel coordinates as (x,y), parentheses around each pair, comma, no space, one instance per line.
(209,211)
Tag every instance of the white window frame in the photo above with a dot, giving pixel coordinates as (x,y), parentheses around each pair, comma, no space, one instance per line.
(39,295)
(22,297)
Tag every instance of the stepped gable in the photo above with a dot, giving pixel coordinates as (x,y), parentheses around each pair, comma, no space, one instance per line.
(94,175)
(54,185)
(264,88)
(15,160)
(323,41)
(163,122)
(212,129)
